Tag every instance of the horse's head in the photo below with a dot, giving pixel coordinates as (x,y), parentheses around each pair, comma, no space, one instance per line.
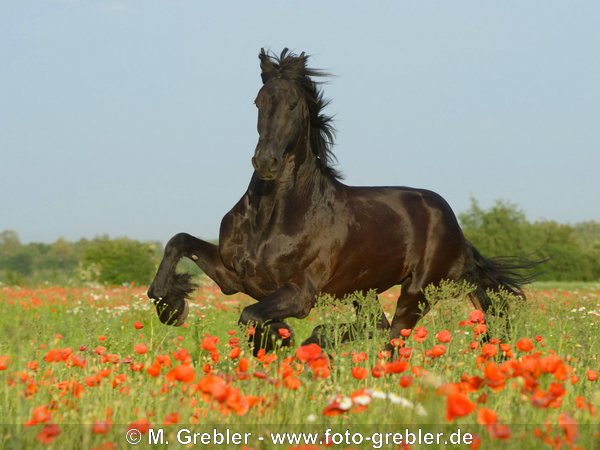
(290,125)
(282,115)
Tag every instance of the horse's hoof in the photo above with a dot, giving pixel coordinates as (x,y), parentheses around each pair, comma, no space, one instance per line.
(170,314)
(156,292)
(270,336)
(184,314)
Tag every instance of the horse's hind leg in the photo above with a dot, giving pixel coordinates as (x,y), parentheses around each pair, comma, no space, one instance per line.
(411,306)
(368,314)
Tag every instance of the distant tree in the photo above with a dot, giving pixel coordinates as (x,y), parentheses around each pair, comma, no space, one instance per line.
(500,231)
(573,252)
(121,260)
(9,241)
(567,261)
(587,236)
(16,260)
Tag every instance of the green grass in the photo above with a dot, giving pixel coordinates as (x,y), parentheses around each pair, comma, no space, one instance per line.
(38,323)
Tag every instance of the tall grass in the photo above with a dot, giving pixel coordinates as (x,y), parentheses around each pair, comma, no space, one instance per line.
(73,367)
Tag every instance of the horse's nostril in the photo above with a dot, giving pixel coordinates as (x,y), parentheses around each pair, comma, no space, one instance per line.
(266,166)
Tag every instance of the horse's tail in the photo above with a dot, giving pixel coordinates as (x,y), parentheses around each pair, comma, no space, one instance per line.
(503,273)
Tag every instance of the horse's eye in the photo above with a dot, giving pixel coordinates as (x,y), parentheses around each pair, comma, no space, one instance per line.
(293,104)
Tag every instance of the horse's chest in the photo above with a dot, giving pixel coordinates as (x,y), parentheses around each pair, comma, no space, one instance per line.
(263,265)
(267,259)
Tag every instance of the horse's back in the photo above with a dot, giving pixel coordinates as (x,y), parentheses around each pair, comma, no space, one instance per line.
(407,206)
(395,232)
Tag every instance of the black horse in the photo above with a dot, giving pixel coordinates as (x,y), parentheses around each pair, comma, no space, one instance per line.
(298,231)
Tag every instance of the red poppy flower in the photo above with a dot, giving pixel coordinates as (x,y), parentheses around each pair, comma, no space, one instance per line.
(486,416)
(443,336)
(140,349)
(292,382)
(39,414)
(553,364)
(377,371)
(476,316)
(479,329)
(420,334)
(234,352)
(397,342)
(171,419)
(591,375)
(101,427)
(213,385)
(183,373)
(524,345)
(138,325)
(153,370)
(489,350)
(48,433)
(405,332)
(141,425)
(243,365)
(405,352)
(458,405)
(499,431)
(360,373)
(308,352)
(494,377)
(397,366)
(569,427)
(284,333)
(209,343)
(406,381)
(359,357)
(438,350)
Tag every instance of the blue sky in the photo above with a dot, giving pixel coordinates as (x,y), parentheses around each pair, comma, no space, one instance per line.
(135,118)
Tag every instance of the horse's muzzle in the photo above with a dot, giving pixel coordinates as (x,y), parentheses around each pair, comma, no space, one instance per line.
(265,167)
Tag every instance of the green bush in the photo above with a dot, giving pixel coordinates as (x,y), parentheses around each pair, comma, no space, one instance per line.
(105,260)
(119,261)
(573,252)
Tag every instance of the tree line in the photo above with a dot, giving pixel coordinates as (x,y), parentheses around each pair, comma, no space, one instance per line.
(99,260)
(573,251)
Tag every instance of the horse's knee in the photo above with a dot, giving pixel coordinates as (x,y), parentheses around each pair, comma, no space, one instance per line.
(178,241)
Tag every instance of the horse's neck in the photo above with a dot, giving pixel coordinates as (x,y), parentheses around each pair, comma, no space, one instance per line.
(298,188)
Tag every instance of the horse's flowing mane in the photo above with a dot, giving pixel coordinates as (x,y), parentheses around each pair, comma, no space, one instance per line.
(292,67)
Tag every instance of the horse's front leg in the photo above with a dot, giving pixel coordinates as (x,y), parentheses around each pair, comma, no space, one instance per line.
(266,316)
(170,289)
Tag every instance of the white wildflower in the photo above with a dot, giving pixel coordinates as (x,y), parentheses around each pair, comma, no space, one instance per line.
(420,410)
(345,403)
(398,400)
(377,394)
(361,400)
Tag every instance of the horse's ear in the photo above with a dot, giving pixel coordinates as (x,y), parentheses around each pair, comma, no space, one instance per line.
(268,69)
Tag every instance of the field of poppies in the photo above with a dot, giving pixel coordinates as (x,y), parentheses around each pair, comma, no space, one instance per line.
(92,368)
